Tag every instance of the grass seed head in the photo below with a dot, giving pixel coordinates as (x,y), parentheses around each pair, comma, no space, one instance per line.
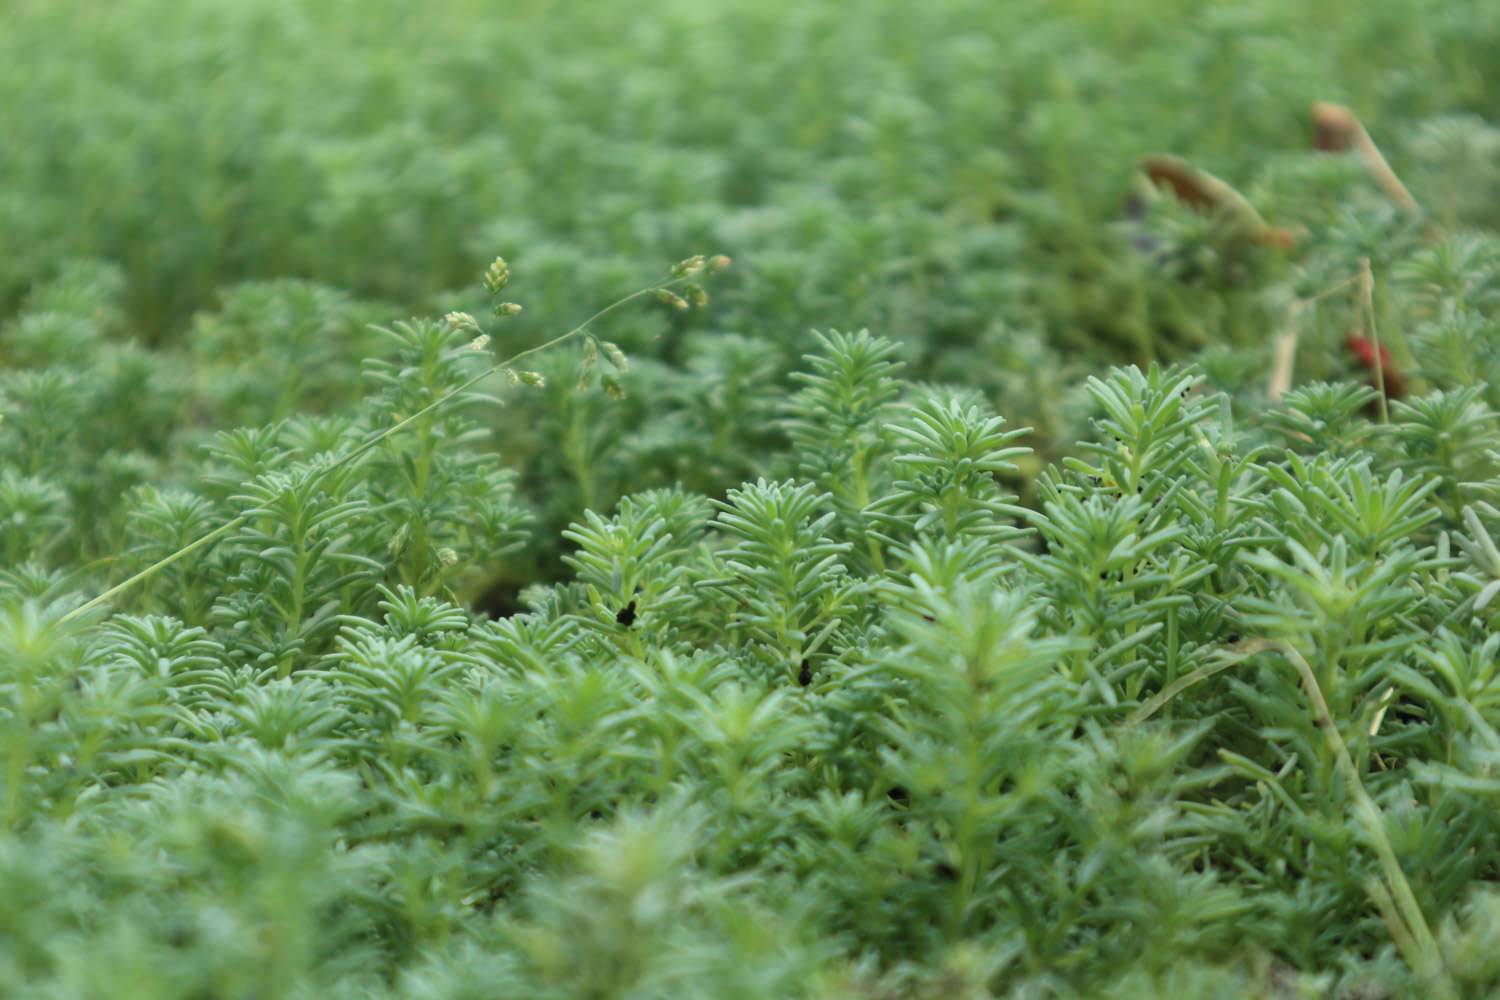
(497,276)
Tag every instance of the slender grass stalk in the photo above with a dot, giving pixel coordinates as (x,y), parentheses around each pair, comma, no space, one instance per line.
(1181,684)
(1393,896)
(1421,951)
(1367,302)
(373,442)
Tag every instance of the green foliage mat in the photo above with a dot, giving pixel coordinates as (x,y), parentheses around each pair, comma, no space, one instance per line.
(691,652)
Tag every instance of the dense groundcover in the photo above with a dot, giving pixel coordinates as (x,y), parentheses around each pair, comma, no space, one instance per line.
(982,572)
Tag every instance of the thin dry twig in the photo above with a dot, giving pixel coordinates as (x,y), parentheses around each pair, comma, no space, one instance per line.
(1337,130)
(1284,358)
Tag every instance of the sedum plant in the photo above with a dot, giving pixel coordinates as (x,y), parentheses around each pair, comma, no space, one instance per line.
(875,727)
(1104,608)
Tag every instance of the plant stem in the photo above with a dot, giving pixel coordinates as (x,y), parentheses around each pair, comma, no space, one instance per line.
(1367,300)
(1421,950)
(1393,896)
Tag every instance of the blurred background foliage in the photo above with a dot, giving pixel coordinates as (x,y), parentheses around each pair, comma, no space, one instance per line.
(899,162)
